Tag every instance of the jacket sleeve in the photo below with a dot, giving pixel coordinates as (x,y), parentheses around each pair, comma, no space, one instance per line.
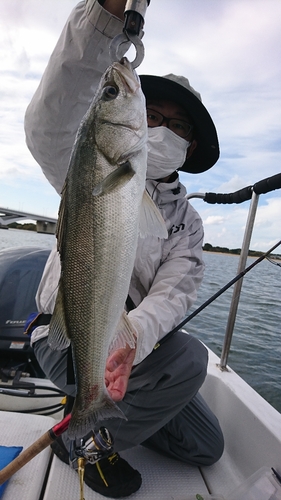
(79,59)
(173,291)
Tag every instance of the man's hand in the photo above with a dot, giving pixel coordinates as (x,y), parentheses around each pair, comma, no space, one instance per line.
(115,7)
(117,372)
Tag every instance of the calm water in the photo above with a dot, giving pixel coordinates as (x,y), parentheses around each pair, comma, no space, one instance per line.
(20,238)
(256,344)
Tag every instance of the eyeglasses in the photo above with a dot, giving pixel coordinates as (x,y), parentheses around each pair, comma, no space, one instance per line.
(179,127)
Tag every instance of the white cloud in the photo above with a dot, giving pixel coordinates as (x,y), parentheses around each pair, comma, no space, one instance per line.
(214,220)
(234,184)
(268,215)
(230,51)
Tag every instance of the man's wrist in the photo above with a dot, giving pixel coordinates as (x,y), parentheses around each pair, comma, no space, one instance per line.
(114,7)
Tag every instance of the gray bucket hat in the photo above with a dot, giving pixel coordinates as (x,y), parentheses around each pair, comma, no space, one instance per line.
(178,89)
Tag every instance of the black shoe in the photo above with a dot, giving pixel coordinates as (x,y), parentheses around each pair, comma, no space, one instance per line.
(112,476)
(60,450)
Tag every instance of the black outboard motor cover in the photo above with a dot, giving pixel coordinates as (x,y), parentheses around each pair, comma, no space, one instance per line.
(20,273)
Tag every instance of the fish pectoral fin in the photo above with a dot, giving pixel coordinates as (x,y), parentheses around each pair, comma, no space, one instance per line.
(58,339)
(125,334)
(151,221)
(120,176)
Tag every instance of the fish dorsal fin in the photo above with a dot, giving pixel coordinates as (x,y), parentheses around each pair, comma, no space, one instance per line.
(61,218)
(120,176)
(151,221)
(125,334)
(58,339)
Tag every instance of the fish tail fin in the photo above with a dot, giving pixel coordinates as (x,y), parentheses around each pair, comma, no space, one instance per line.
(58,338)
(151,221)
(82,422)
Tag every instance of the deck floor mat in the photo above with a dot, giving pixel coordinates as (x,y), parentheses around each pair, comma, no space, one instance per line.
(163,478)
(17,429)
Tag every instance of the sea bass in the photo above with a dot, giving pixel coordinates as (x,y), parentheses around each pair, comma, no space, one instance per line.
(104,208)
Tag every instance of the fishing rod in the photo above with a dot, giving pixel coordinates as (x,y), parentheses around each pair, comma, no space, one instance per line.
(216,295)
(92,449)
(34,449)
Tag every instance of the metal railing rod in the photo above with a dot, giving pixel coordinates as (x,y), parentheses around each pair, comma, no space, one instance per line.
(238,285)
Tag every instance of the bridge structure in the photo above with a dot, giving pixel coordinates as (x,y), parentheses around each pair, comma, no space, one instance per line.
(44,224)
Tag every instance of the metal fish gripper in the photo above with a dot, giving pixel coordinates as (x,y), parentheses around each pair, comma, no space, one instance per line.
(132,32)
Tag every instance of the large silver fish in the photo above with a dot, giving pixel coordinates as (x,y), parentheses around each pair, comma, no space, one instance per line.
(103,209)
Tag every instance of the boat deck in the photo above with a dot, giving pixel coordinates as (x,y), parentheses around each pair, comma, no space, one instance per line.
(253,440)
(47,478)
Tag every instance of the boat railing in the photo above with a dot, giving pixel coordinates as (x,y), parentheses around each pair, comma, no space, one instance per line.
(245,194)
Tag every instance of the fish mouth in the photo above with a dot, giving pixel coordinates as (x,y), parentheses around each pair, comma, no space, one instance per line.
(139,139)
(120,125)
(127,75)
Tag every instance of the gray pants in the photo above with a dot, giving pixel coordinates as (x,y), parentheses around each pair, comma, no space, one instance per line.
(161,404)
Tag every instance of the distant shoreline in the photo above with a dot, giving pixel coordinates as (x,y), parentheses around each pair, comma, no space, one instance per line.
(236,254)
(222,253)
(252,255)
(206,248)
(236,251)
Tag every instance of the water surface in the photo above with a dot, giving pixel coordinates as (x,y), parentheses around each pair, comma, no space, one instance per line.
(256,345)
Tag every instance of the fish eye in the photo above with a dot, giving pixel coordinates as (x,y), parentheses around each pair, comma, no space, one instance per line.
(109,93)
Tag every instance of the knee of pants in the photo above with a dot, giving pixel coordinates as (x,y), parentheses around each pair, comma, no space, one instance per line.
(194,435)
(215,451)
(197,446)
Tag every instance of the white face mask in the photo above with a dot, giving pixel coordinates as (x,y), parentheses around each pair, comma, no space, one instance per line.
(166,152)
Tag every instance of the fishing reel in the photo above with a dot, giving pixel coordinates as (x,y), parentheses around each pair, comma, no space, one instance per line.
(91,449)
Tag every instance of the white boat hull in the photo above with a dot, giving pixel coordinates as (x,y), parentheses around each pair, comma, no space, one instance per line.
(252,430)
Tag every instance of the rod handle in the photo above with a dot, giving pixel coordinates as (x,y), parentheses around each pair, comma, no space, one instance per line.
(25,456)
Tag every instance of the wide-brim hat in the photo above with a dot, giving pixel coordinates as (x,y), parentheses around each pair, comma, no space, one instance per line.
(178,89)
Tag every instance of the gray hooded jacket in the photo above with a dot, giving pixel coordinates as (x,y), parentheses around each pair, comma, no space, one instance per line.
(167,273)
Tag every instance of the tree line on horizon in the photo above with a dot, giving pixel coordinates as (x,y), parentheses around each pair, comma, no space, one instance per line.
(207,247)
(236,251)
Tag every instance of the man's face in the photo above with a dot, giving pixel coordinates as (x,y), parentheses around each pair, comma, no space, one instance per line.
(169,114)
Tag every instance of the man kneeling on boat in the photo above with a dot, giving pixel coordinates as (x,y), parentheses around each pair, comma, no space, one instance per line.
(157,389)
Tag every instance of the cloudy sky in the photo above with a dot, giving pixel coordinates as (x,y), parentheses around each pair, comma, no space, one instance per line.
(231,52)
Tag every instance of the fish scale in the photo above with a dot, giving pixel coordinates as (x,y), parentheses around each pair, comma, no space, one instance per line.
(103,205)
